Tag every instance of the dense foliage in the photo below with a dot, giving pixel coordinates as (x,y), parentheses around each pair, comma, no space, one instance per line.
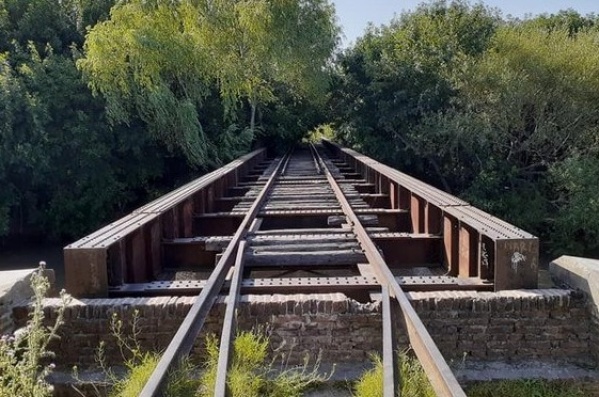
(504,113)
(161,61)
(106,103)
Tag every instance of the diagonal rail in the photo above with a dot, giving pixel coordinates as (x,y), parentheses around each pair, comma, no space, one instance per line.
(391,377)
(439,374)
(229,326)
(187,333)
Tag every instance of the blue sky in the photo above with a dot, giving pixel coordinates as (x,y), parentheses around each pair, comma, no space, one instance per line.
(354,15)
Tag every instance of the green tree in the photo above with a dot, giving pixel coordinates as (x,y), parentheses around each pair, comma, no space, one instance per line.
(398,74)
(64,170)
(576,223)
(503,113)
(161,61)
(525,110)
(568,20)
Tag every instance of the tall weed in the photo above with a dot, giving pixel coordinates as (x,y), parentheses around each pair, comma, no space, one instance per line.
(25,360)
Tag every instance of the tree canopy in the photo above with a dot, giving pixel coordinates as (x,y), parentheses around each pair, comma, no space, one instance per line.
(162,61)
(161,91)
(501,112)
(106,104)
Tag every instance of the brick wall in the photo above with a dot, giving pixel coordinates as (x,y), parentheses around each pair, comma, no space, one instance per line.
(593,309)
(508,325)
(520,325)
(581,275)
(594,319)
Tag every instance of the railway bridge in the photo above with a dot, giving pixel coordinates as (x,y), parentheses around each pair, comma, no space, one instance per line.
(320,219)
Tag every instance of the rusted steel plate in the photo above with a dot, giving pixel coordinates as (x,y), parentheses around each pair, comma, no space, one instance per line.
(474,241)
(113,232)
(488,224)
(176,196)
(86,272)
(432,194)
(516,264)
(131,245)
(287,285)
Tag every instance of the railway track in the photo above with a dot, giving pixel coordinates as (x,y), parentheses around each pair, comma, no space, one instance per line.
(307,183)
(320,219)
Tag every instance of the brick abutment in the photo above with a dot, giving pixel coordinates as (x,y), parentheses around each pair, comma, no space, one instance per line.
(511,326)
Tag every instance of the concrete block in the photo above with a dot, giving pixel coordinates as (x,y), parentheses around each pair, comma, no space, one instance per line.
(577,273)
(15,288)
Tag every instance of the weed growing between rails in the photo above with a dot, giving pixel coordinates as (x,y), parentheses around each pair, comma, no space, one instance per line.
(25,361)
(414,382)
(252,375)
(139,365)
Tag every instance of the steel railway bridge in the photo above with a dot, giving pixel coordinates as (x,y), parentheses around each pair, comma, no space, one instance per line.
(321,218)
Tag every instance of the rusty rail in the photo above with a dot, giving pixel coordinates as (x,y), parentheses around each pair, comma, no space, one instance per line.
(435,366)
(437,370)
(183,340)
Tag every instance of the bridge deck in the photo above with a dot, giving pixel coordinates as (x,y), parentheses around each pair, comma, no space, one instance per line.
(326,220)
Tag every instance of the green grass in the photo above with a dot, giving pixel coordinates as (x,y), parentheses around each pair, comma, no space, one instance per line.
(528,388)
(179,384)
(251,374)
(414,382)
(136,378)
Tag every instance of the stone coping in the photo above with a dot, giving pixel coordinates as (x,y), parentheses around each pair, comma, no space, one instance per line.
(15,288)
(578,273)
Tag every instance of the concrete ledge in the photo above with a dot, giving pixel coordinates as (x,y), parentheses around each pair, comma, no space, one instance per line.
(479,371)
(583,275)
(15,287)
(578,273)
(15,291)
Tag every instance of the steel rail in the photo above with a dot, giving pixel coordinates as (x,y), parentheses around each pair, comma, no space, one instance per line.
(390,368)
(184,338)
(229,326)
(315,156)
(439,374)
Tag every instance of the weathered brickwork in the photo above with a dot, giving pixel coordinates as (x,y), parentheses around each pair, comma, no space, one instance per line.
(520,325)
(343,329)
(595,336)
(508,325)
(582,275)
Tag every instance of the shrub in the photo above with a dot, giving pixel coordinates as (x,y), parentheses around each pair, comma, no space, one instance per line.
(140,365)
